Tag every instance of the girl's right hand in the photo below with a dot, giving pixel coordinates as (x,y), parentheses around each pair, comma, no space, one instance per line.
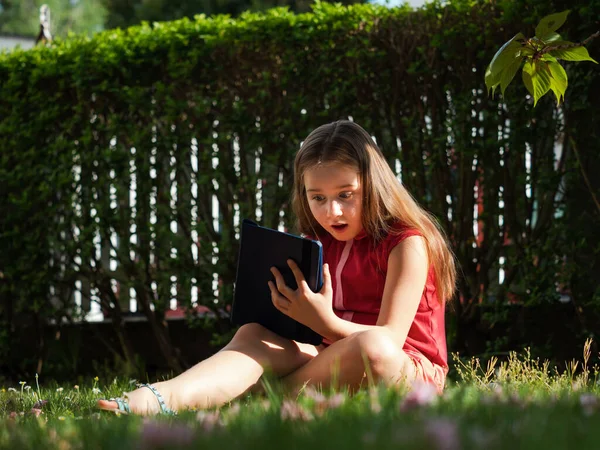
(313,309)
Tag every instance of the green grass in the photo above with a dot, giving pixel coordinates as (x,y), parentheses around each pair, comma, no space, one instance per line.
(521,403)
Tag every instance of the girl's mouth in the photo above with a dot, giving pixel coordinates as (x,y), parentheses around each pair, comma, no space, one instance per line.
(340,227)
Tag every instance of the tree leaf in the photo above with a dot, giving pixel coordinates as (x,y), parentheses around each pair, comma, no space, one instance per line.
(537,79)
(502,59)
(561,43)
(491,81)
(573,54)
(548,57)
(559,81)
(509,73)
(557,93)
(552,37)
(527,51)
(550,24)
(506,53)
(527,69)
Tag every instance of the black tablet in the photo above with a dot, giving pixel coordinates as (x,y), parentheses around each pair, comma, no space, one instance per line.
(260,249)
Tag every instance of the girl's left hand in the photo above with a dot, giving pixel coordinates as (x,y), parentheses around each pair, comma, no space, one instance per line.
(313,309)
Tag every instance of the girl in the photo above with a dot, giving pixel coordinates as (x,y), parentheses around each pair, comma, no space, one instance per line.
(388,272)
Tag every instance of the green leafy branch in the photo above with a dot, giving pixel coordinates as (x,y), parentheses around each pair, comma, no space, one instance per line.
(539,57)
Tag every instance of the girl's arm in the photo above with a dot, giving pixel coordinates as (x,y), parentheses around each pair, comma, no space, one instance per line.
(404,285)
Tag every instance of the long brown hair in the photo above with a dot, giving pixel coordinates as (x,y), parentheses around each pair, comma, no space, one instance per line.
(385,200)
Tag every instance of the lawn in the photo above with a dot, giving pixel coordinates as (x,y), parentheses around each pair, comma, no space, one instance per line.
(519,403)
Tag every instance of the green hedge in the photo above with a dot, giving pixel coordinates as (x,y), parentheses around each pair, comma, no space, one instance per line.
(155,105)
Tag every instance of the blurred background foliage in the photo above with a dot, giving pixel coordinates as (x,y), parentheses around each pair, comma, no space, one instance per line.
(91,16)
(21,17)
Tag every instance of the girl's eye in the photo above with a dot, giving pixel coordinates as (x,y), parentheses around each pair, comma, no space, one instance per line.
(318,198)
(346,195)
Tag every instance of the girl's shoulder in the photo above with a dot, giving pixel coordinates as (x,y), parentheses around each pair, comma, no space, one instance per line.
(400,231)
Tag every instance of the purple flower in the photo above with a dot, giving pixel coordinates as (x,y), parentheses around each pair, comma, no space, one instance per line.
(39,404)
(313,394)
(35,412)
(159,434)
(482,438)
(443,434)
(516,400)
(321,402)
(234,410)
(374,401)
(293,411)
(335,401)
(421,394)
(209,420)
(494,396)
(369,438)
(589,403)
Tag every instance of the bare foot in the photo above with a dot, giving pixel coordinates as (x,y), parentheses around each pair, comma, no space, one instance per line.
(141,401)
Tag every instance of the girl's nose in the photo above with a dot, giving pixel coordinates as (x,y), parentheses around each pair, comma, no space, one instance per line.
(334,209)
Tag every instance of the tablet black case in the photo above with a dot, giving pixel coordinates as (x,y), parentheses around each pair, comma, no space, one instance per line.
(260,249)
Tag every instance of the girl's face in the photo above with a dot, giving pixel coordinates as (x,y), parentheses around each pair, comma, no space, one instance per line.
(334,194)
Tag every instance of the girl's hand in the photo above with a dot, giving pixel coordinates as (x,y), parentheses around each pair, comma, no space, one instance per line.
(313,309)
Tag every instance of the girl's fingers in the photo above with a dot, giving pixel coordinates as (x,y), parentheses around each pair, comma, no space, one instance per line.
(326,279)
(280,282)
(280,302)
(298,275)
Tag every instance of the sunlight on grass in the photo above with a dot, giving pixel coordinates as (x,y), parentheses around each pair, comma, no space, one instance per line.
(518,402)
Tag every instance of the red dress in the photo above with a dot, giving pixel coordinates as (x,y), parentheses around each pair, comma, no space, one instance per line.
(358,270)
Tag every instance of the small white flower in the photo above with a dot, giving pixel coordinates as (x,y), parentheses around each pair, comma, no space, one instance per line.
(27,388)
(96,391)
(12,390)
(59,389)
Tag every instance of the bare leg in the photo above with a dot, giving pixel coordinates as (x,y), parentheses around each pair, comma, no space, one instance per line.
(227,374)
(350,362)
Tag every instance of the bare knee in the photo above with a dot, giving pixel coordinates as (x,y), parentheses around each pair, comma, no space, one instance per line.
(377,347)
(270,350)
(381,354)
(250,332)
(252,337)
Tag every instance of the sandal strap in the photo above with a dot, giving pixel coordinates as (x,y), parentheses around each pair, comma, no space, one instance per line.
(122,404)
(161,401)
